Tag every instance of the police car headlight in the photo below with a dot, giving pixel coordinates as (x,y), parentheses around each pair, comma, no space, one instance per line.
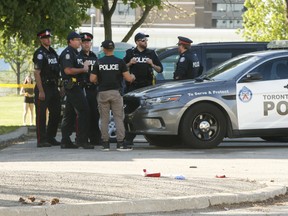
(161,100)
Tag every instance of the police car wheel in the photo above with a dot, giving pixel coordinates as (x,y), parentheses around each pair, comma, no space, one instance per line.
(275,139)
(163,140)
(203,126)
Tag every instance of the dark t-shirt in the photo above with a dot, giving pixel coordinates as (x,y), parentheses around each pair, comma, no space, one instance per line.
(142,71)
(109,73)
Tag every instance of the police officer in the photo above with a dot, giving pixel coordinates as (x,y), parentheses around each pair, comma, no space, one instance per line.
(109,74)
(141,62)
(85,54)
(188,65)
(47,96)
(76,100)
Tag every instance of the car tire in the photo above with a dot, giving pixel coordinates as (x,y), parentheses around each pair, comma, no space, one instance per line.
(275,139)
(111,128)
(203,126)
(163,140)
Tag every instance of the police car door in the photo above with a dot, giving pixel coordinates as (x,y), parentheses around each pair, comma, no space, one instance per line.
(263,104)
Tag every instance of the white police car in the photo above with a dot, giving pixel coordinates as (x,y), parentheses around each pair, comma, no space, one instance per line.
(246,96)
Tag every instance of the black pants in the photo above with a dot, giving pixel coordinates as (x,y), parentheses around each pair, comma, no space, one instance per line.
(76,104)
(94,133)
(53,104)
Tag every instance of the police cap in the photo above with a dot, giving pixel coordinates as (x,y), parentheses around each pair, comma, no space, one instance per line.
(86,36)
(44,33)
(184,40)
(73,35)
(108,44)
(140,36)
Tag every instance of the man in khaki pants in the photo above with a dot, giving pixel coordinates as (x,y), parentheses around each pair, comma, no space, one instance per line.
(108,74)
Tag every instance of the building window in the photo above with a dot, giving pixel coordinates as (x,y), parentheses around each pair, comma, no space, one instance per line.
(227,24)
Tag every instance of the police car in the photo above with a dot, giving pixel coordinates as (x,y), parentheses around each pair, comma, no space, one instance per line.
(246,96)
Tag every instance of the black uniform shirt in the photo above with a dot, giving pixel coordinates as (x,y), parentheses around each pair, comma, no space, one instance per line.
(47,62)
(110,73)
(188,66)
(142,71)
(68,58)
(81,58)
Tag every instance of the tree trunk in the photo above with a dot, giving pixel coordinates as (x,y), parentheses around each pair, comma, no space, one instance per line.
(108,28)
(107,14)
(136,25)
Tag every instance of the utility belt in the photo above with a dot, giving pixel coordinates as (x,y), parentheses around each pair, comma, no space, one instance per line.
(90,86)
(69,84)
(50,82)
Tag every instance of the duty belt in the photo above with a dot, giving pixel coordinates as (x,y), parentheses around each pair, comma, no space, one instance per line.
(50,82)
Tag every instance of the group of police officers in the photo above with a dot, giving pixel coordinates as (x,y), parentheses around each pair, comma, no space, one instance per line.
(93,87)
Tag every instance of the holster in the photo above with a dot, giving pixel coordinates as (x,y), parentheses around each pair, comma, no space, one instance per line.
(69,84)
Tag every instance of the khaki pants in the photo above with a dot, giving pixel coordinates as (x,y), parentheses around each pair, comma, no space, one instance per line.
(111,100)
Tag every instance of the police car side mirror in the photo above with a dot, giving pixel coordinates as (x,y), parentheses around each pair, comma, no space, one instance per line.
(253,76)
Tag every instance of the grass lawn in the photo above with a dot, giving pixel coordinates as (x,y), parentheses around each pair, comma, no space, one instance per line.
(11,112)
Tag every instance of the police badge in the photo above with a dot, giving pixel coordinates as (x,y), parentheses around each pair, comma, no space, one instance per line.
(40,56)
(67,56)
(182,59)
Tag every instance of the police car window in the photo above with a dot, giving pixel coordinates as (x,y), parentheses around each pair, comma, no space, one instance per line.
(231,68)
(169,65)
(274,69)
(214,57)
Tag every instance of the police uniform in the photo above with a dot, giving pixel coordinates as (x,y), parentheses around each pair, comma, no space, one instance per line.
(47,62)
(94,133)
(142,71)
(188,65)
(76,102)
(109,75)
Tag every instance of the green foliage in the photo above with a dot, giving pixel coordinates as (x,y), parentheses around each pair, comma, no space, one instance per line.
(16,53)
(24,18)
(265,20)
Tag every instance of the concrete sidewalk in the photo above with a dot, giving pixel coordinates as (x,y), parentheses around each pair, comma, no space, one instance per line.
(91,182)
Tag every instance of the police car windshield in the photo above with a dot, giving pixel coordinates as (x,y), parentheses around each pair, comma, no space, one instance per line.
(231,68)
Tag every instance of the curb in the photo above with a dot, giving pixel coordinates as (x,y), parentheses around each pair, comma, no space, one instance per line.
(147,205)
(12,135)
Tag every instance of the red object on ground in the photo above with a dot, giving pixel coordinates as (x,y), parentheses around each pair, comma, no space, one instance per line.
(220,176)
(151,174)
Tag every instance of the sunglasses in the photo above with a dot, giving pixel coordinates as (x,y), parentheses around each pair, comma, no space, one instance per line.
(143,40)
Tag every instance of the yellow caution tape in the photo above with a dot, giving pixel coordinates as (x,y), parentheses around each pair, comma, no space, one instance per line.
(17,85)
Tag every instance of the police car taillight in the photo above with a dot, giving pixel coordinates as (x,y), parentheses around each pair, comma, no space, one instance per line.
(278,44)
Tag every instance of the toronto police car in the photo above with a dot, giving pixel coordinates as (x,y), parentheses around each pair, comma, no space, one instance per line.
(246,96)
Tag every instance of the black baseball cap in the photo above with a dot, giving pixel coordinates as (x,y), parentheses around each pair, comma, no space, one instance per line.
(73,35)
(108,44)
(44,33)
(140,36)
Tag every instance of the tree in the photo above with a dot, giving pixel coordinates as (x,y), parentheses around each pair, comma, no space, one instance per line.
(265,20)
(20,20)
(148,7)
(24,18)
(108,10)
(18,55)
